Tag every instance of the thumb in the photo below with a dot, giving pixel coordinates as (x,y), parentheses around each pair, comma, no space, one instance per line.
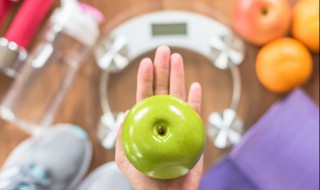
(120,156)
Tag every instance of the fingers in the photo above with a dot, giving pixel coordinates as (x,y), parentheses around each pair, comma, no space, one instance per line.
(177,83)
(194,97)
(166,76)
(145,80)
(161,70)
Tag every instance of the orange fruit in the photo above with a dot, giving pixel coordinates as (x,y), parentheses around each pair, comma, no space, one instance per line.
(283,64)
(305,23)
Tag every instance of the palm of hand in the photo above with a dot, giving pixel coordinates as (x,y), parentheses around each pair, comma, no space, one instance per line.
(164,76)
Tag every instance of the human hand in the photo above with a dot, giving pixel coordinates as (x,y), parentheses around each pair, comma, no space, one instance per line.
(164,76)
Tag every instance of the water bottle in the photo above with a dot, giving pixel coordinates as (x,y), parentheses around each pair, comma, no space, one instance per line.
(37,92)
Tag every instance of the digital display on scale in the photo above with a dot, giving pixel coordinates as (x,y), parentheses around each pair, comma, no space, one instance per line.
(169,29)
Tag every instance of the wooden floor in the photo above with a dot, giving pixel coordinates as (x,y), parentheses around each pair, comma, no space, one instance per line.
(81,105)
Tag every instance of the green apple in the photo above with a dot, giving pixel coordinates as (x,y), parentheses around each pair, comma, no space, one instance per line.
(163,137)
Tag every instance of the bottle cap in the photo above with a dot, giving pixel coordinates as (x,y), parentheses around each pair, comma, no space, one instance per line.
(78,20)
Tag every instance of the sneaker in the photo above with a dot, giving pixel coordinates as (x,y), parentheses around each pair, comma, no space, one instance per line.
(106,176)
(55,160)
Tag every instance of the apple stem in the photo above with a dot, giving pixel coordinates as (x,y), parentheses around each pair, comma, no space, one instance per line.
(160,130)
(264,10)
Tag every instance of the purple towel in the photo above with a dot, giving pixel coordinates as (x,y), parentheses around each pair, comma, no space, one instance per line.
(281,151)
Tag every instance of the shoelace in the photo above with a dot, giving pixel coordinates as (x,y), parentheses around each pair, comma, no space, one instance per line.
(22,178)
